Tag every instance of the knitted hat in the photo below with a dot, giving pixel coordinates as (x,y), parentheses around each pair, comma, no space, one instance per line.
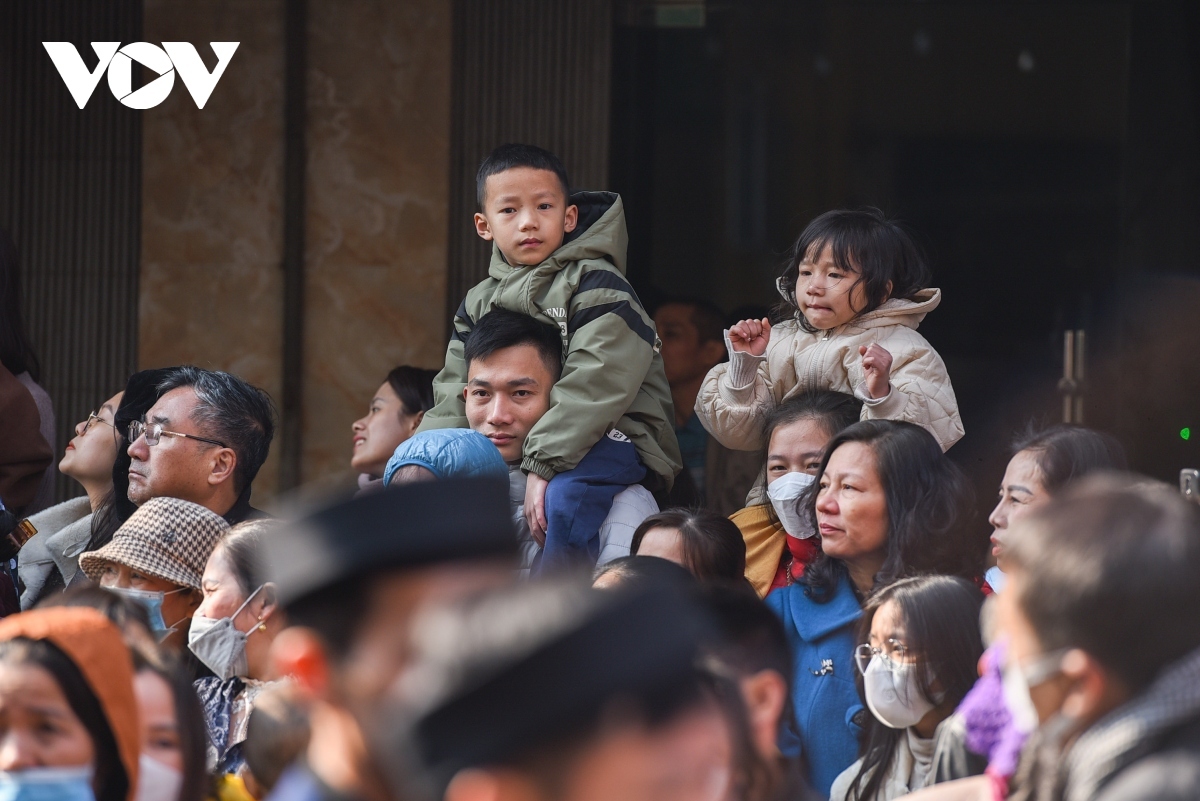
(94,645)
(449,453)
(167,538)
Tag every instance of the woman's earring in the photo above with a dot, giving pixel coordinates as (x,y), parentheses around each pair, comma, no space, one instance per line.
(261,625)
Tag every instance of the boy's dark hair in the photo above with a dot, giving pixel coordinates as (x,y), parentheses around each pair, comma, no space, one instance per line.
(1110,567)
(928,502)
(707,319)
(751,637)
(713,548)
(501,328)
(940,617)
(229,410)
(413,386)
(1066,452)
(876,250)
(511,156)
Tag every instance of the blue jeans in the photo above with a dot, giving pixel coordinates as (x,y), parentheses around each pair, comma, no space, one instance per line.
(579,500)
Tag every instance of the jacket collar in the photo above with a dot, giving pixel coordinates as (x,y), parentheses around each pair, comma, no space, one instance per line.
(814,621)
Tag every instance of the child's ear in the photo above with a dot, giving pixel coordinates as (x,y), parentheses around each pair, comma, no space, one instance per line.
(572,219)
(482,228)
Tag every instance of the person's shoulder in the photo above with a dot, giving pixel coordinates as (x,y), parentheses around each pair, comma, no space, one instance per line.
(1172,771)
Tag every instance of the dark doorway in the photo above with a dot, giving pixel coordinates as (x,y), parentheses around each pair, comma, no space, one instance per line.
(1044,153)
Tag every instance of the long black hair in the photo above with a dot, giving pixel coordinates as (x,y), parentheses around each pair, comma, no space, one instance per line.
(940,616)
(864,244)
(110,780)
(16,352)
(928,501)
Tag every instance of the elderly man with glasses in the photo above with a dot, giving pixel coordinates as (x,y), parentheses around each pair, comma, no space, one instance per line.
(203,441)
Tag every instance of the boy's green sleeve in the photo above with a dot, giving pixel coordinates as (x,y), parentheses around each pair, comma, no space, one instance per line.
(611,343)
(449,410)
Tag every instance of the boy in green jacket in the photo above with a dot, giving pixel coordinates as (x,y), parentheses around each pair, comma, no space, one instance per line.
(560,258)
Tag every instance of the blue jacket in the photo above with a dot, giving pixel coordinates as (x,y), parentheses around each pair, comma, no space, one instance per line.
(824,695)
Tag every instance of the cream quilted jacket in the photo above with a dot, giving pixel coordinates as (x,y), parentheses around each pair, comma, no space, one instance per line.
(736,396)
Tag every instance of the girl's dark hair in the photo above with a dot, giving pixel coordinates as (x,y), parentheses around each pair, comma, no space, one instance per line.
(189,719)
(109,780)
(16,352)
(833,411)
(713,548)
(1066,452)
(413,386)
(941,629)
(927,497)
(878,251)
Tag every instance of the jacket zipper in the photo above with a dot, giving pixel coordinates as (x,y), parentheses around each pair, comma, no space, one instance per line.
(810,381)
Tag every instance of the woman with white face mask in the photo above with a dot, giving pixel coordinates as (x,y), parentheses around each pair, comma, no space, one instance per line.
(231,633)
(172,760)
(917,660)
(780,540)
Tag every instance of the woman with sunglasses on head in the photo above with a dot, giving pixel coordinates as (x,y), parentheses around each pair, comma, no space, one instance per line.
(918,657)
(50,558)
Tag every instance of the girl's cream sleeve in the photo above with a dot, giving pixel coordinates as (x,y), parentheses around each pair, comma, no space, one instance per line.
(736,396)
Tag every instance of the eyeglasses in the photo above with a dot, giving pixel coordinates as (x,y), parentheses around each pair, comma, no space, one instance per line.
(95,418)
(892,650)
(154,432)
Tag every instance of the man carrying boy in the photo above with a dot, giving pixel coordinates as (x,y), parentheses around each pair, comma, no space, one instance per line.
(560,259)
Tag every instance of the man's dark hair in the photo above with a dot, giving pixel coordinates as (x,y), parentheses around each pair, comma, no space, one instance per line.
(231,411)
(928,503)
(511,156)
(707,319)
(501,328)
(1065,453)
(1109,566)
(713,547)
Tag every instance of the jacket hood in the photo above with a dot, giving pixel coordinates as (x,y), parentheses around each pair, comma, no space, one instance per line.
(901,311)
(600,233)
(448,453)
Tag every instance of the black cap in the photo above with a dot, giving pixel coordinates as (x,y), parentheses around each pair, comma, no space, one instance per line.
(411,525)
(639,644)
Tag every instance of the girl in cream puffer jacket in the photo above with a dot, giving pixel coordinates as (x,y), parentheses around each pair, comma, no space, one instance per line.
(856,282)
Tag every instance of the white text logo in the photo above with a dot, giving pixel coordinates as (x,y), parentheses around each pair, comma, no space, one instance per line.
(118,61)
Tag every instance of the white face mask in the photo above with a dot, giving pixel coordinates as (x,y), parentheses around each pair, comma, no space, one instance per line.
(893,694)
(785,494)
(219,645)
(156,781)
(1016,681)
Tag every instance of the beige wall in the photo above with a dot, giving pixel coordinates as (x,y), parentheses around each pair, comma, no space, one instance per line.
(378,138)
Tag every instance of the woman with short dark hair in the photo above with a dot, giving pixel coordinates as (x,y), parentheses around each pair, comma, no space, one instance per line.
(395,412)
(887,504)
(707,544)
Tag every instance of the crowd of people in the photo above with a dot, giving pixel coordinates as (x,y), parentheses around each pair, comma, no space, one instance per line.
(605,552)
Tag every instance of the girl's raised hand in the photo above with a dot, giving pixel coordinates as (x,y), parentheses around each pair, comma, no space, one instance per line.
(751,336)
(877,369)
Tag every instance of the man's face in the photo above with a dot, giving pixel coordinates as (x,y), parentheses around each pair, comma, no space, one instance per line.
(506,394)
(685,357)
(525,212)
(177,467)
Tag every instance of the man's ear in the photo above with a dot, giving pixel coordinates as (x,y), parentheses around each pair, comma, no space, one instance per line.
(572,218)
(1094,690)
(299,652)
(765,694)
(482,228)
(224,463)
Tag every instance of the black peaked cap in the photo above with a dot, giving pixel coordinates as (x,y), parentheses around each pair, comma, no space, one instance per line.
(631,642)
(406,526)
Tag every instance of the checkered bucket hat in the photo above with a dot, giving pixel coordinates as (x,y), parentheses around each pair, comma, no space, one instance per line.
(167,538)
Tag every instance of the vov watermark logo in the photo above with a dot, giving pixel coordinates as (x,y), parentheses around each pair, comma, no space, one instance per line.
(118,61)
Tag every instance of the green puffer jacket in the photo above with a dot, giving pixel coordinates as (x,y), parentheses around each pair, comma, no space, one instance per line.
(612,372)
